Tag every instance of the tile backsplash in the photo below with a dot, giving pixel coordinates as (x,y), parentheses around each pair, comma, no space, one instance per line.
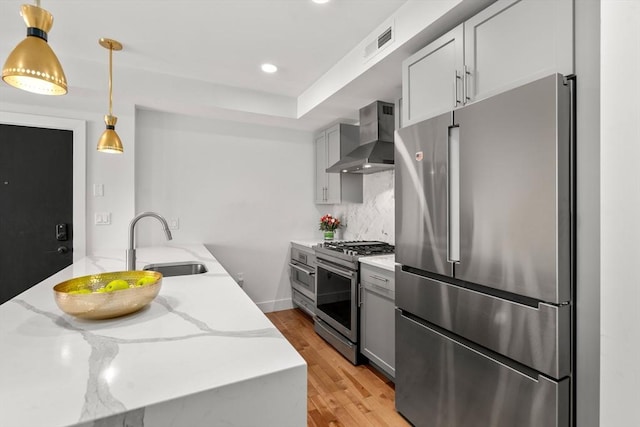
(374,218)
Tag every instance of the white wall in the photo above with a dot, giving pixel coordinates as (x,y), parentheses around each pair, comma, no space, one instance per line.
(620,207)
(116,173)
(373,219)
(244,190)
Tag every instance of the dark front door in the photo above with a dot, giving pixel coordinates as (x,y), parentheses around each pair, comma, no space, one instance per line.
(36,206)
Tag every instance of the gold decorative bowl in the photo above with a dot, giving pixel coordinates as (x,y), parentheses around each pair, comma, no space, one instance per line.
(106,305)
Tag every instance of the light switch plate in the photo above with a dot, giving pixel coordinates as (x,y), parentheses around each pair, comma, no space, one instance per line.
(103,218)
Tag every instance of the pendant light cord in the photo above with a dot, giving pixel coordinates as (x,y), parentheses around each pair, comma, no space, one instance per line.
(110,79)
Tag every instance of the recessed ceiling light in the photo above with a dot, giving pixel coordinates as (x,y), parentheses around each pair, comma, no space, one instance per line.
(320,1)
(269,68)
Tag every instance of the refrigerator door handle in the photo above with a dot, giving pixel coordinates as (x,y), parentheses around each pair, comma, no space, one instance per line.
(453,195)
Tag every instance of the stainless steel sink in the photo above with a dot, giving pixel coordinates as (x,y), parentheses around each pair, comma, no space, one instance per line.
(169,269)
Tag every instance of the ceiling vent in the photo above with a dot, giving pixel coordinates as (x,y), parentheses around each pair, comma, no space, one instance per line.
(379,42)
(385,37)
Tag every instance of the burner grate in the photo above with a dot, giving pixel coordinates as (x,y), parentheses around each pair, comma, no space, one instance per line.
(360,247)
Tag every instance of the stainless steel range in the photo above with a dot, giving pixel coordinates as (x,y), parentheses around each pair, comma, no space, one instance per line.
(337,299)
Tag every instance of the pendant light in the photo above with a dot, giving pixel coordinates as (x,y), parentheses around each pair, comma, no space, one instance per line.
(32,65)
(110,141)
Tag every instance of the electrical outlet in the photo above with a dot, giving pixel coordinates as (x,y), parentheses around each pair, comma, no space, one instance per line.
(174,223)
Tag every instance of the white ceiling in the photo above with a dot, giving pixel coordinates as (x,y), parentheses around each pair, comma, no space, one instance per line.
(215,44)
(218,41)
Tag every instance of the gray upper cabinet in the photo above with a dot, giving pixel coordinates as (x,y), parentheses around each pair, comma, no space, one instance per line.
(331,144)
(431,79)
(508,44)
(321,162)
(513,42)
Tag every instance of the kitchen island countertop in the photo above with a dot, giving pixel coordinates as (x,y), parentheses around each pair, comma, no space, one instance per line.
(201,353)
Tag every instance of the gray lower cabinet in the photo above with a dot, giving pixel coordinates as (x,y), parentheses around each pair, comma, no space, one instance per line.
(377,318)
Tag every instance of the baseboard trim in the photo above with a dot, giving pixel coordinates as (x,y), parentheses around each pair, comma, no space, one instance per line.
(275,305)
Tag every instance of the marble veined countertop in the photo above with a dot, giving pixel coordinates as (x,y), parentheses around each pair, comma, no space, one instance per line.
(201,354)
(388,262)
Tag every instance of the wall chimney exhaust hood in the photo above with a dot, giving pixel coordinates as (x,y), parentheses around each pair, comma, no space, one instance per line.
(375,152)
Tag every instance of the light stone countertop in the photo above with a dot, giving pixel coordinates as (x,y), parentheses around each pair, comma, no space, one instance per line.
(382,261)
(201,353)
(306,244)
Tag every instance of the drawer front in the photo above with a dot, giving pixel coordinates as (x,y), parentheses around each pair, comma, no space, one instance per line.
(537,336)
(377,277)
(303,302)
(443,382)
(380,290)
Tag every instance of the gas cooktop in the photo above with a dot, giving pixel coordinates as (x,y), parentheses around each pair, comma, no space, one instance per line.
(355,248)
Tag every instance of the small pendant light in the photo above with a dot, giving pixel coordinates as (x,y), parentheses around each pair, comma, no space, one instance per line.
(32,65)
(110,141)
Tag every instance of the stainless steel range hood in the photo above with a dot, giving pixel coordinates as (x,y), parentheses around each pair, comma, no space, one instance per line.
(375,152)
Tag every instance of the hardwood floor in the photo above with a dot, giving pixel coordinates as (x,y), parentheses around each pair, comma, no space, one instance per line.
(338,393)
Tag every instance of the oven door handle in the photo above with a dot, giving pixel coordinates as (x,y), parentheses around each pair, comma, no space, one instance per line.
(303,270)
(329,267)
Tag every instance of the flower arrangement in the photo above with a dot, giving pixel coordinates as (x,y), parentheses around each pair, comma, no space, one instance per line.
(329,223)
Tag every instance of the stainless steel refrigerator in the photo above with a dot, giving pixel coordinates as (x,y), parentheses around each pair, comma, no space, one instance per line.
(484,253)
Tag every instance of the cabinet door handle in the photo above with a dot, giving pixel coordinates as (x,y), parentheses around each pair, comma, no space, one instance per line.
(359,294)
(456,77)
(382,279)
(465,88)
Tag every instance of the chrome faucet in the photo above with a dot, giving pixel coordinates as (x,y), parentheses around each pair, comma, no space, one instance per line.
(131,252)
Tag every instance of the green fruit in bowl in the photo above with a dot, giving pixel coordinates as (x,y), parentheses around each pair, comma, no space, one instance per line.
(80,291)
(145,281)
(116,285)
